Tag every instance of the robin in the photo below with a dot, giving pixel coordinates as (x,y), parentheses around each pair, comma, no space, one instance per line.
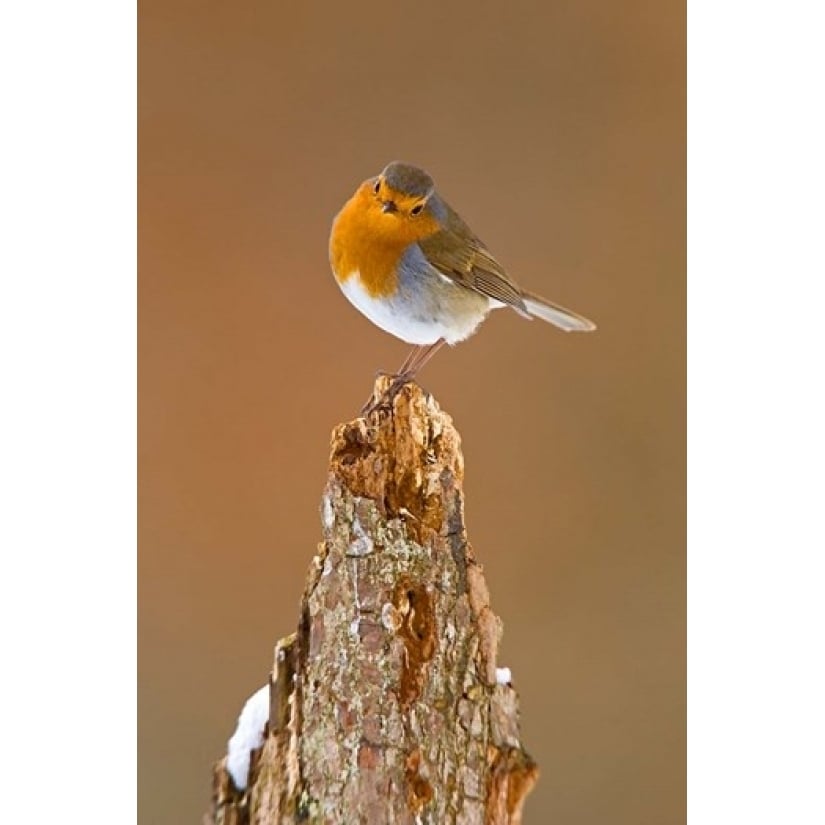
(406,260)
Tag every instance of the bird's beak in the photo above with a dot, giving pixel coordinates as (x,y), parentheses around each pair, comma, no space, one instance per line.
(389,206)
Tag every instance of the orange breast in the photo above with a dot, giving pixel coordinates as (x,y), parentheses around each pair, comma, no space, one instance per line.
(366,241)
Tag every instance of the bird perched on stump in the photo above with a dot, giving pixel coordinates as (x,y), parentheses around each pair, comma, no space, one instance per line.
(406,260)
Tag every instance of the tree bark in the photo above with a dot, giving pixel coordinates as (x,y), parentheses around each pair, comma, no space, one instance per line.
(386,706)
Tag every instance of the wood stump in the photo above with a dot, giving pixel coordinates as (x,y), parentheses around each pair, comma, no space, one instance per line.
(386,705)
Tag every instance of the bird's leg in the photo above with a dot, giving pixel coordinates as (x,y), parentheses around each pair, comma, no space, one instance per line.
(418,357)
(414,353)
(404,367)
(415,361)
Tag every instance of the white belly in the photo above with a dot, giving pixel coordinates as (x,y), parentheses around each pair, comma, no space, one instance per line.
(402,321)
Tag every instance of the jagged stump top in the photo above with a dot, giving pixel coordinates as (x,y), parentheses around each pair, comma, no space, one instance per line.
(406,456)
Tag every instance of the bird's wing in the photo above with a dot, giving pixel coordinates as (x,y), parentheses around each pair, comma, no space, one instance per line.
(460,256)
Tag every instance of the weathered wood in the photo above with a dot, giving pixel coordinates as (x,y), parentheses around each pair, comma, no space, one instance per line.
(385,706)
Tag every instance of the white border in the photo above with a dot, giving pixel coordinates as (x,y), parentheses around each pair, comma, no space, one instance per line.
(756,413)
(67,421)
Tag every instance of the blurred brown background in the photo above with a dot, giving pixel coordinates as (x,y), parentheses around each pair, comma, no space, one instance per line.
(558,131)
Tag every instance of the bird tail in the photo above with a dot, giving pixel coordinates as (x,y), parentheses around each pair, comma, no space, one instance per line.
(554,314)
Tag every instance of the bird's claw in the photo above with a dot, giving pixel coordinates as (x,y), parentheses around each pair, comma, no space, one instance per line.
(385,399)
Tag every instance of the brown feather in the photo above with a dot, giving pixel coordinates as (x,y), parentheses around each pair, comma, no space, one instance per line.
(459,255)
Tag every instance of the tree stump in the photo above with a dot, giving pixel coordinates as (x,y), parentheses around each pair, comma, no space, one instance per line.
(387,705)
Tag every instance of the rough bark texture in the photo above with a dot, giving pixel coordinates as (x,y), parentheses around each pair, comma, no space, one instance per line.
(385,707)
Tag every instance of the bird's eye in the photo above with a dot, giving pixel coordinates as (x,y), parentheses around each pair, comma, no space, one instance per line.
(416,210)
(377,186)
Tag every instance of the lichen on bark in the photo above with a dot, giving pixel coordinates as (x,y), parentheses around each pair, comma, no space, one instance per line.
(386,707)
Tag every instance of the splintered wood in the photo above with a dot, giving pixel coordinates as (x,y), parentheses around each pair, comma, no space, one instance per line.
(386,707)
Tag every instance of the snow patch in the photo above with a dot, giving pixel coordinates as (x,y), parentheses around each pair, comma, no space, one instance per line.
(327,513)
(248,736)
(503,676)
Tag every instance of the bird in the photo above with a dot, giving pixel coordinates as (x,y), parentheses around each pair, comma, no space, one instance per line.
(407,261)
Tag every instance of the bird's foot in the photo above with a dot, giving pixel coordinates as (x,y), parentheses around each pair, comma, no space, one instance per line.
(385,399)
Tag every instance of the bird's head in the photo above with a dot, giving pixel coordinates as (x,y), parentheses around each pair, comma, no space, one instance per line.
(399,201)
